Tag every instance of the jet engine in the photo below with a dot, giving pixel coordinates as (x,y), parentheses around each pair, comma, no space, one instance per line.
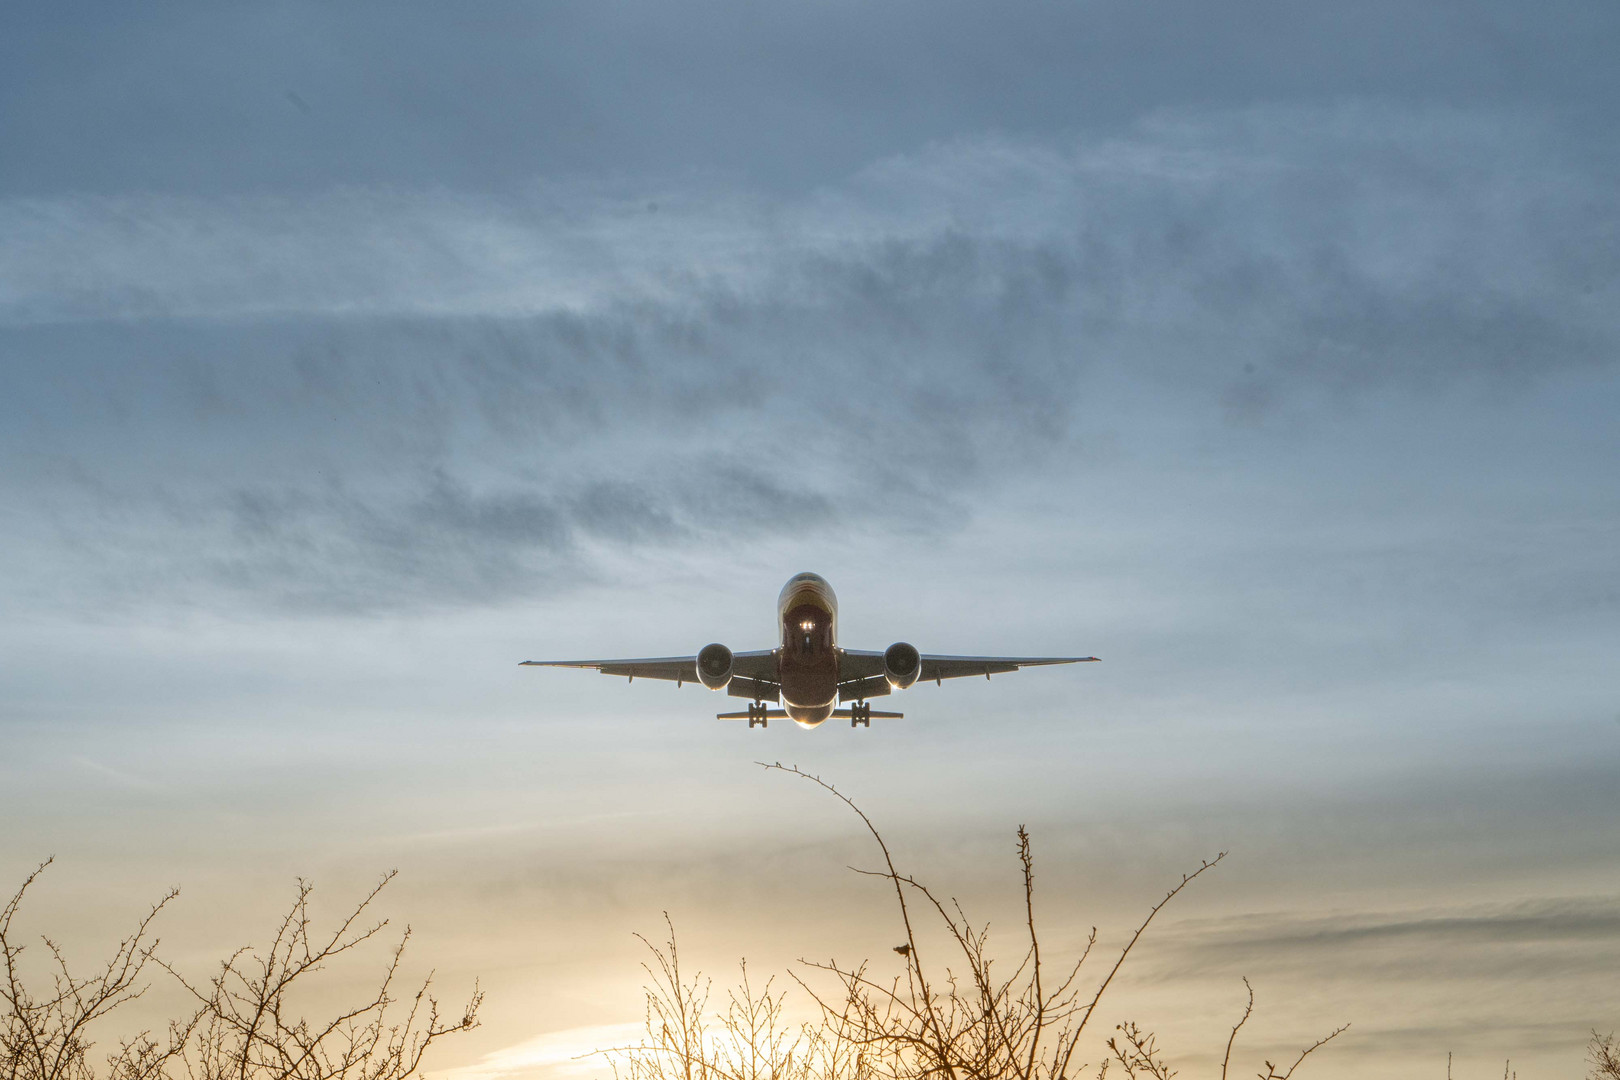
(902,663)
(714,666)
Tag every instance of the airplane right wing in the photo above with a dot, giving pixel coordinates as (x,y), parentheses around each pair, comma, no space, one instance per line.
(680,669)
(758,666)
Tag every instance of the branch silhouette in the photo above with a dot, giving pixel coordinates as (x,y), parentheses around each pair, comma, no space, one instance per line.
(242,1023)
(962,1020)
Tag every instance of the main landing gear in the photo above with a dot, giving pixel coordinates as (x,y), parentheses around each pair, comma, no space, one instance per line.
(860,715)
(756,714)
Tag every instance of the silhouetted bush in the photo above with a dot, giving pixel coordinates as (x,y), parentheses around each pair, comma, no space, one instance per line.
(242,1024)
(935,1022)
(1604,1056)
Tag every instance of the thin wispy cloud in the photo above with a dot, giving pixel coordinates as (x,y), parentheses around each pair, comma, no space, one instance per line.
(567,1053)
(122,777)
(1552,938)
(1260,211)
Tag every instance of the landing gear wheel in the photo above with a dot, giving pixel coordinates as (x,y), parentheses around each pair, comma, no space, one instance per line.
(756,714)
(860,715)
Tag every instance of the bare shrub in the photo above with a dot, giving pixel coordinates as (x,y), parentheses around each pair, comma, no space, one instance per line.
(1604,1056)
(244,1024)
(749,1040)
(934,1022)
(45,1035)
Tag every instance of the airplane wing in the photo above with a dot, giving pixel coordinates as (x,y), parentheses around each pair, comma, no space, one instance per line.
(759,665)
(862,665)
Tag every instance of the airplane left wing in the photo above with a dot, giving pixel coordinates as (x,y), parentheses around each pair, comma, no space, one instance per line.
(862,665)
(935,668)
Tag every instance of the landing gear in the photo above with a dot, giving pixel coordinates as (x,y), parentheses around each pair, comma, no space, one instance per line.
(756,714)
(860,715)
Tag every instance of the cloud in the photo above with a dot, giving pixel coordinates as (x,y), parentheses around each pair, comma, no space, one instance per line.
(1547,938)
(1352,242)
(572,1052)
(790,98)
(124,779)
(509,380)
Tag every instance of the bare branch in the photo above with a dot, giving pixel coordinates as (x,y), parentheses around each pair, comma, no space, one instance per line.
(1186,879)
(1604,1056)
(1248,1008)
(1271,1072)
(243,1026)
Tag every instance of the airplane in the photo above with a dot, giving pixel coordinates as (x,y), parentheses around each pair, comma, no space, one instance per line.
(809,674)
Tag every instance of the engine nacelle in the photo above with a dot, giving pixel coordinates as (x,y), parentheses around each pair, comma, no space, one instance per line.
(902,663)
(714,666)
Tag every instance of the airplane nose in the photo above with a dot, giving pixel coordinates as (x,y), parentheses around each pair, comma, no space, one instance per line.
(808,716)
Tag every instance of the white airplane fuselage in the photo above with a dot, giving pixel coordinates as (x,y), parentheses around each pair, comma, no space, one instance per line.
(808,613)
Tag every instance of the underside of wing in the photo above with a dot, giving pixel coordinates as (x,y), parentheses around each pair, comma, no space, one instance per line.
(856,664)
(860,671)
(677,669)
(680,669)
(935,668)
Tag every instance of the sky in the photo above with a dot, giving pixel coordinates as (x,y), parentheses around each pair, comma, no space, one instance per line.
(354,352)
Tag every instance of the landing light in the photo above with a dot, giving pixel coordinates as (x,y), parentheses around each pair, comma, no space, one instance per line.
(808,625)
